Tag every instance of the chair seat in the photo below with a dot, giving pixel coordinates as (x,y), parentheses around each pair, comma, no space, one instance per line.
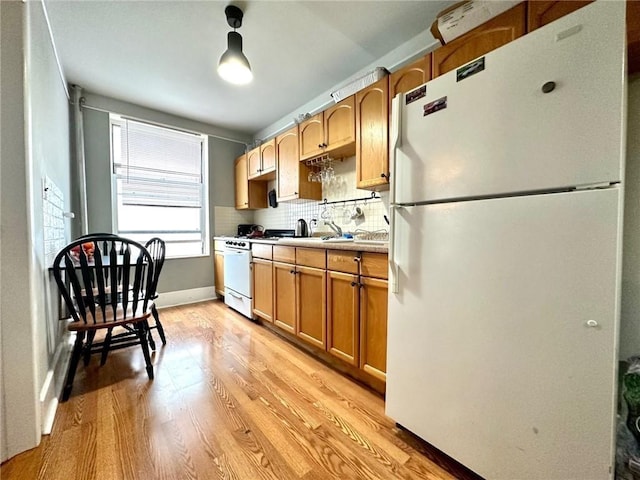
(110,320)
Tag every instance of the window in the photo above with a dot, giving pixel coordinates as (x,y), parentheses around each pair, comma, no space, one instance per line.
(160,185)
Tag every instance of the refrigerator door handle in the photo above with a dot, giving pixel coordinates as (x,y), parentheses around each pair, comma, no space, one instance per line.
(396,107)
(393,145)
(393,266)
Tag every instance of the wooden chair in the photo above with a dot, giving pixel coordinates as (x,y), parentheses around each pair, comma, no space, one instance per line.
(157,250)
(112,287)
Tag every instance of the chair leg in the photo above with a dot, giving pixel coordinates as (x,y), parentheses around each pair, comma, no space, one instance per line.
(87,347)
(73,365)
(142,335)
(154,312)
(152,343)
(105,347)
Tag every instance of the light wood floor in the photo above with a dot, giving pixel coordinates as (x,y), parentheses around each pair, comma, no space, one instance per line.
(230,400)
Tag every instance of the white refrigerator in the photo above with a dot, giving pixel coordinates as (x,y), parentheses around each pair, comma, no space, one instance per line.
(505,253)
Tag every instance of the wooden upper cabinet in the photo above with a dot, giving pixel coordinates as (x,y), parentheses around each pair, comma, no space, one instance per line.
(261,161)
(542,12)
(248,194)
(254,165)
(242,182)
(409,77)
(292,179)
(268,156)
(372,136)
(312,137)
(340,128)
(498,31)
(331,132)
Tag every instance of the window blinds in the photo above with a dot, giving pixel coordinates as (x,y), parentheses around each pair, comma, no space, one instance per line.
(157,166)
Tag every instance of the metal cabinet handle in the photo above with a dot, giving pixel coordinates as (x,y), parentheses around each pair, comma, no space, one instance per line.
(357,259)
(353,284)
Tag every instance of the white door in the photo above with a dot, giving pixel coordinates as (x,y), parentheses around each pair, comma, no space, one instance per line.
(502,337)
(499,132)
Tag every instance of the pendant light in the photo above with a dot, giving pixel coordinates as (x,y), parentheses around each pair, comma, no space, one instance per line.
(234,66)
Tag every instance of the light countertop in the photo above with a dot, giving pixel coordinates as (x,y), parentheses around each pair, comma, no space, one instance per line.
(315,242)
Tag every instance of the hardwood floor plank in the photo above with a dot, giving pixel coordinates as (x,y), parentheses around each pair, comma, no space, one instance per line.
(230,400)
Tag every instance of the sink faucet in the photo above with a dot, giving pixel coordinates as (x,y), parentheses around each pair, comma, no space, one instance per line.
(334,227)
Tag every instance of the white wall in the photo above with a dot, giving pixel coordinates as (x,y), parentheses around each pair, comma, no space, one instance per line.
(48,155)
(630,313)
(34,144)
(19,407)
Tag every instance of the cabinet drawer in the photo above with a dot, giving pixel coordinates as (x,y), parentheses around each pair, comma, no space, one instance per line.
(342,261)
(311,257)
(374,265)
(218,245)
(260,250)
(284,254)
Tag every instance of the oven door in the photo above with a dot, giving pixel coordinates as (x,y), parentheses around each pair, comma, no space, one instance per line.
(237,271)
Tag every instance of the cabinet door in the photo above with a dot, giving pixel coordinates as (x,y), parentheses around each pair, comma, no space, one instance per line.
(409,77)
(242,183)
(340,128)
(541,12)
(263,289)
(284,285)
(372,136)
(218,272)
(253,163)
(342,316)
(312,137)
(498,31)
(268,156)
(311,287)
(288,164)
(373,326)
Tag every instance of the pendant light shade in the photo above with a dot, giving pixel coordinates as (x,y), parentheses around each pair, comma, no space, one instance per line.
(233,65)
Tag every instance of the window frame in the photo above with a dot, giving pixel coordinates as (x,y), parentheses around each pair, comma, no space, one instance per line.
(115,119)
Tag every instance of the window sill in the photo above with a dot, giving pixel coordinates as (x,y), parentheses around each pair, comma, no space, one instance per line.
(202,255)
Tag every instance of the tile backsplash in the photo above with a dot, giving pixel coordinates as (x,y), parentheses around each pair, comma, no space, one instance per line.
(287,213)
(227,219)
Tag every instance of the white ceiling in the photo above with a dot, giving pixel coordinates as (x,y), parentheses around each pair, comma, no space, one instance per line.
(164,54)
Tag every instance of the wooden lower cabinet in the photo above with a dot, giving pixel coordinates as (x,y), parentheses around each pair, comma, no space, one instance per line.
(284,306)
(218,272)
(342,316)
(373,326)
(338,305)
(263,289)
(311,288)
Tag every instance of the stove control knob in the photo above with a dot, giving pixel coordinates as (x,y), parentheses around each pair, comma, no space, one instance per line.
(242,244)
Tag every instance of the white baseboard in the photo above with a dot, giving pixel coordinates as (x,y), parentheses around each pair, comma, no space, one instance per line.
(182,297)
(52,385)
